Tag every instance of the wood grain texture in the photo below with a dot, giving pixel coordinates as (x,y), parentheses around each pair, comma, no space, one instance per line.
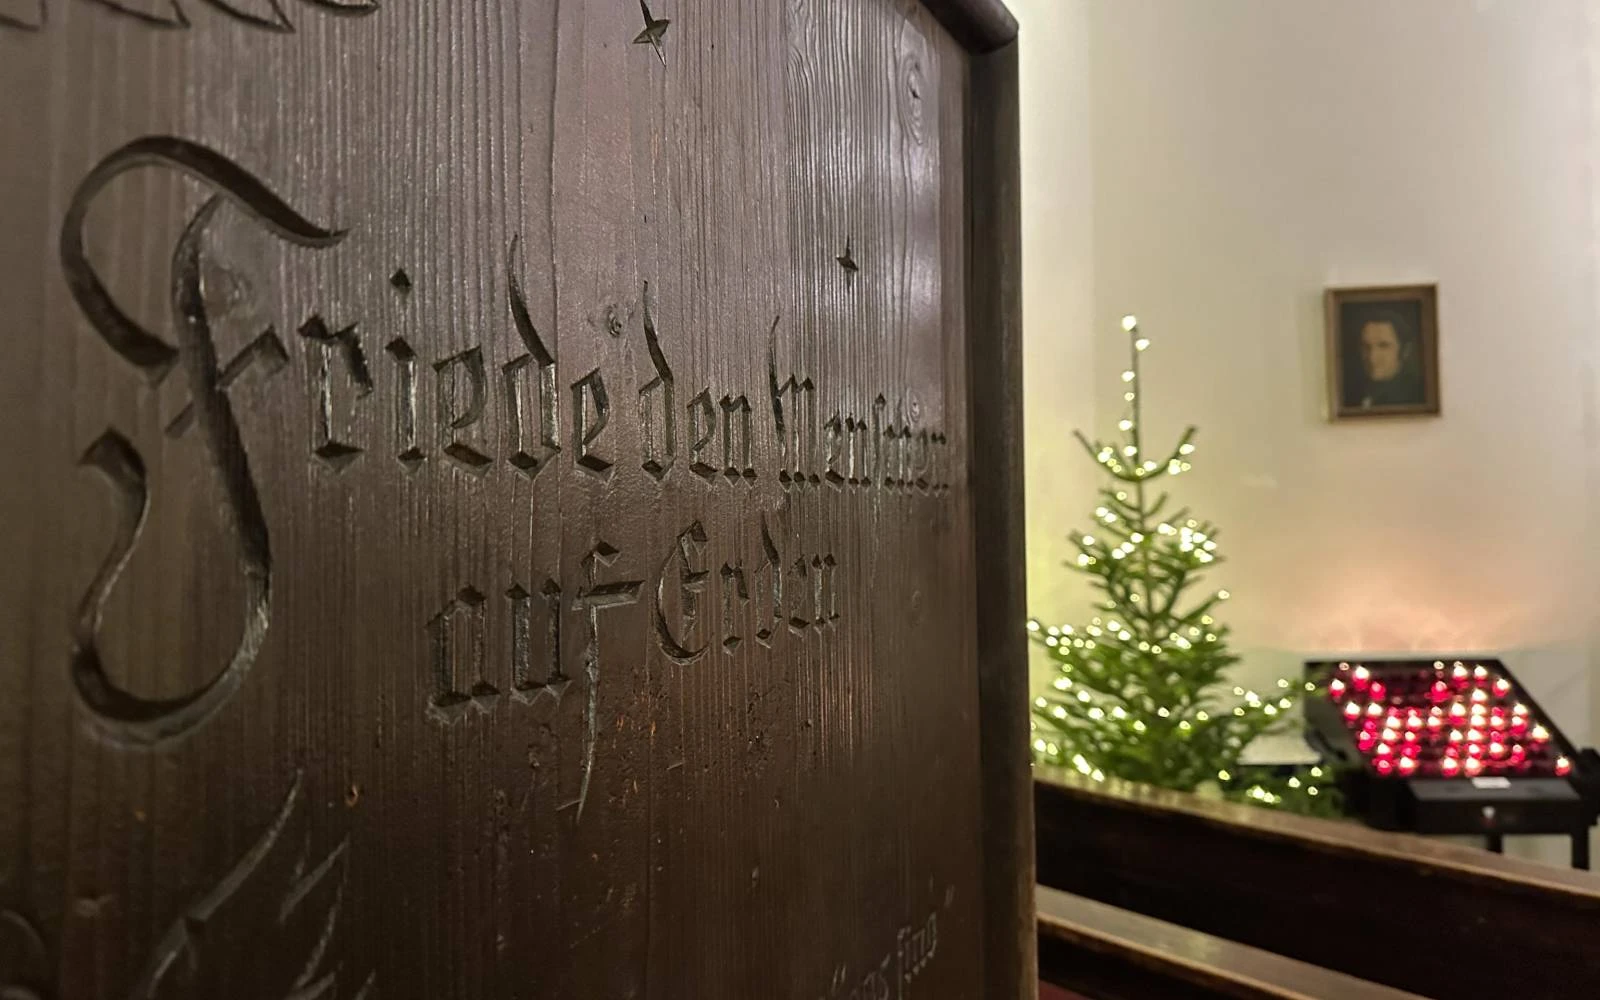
(994,356)
(475,536)
(1111,954)
(1263,878)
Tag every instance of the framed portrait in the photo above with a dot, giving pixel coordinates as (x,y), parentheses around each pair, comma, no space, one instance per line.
(1383,351)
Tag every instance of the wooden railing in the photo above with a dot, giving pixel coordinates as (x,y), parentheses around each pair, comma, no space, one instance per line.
(1436,919)
(1097,952)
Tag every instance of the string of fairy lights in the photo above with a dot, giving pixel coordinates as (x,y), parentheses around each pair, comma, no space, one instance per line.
(1139,689)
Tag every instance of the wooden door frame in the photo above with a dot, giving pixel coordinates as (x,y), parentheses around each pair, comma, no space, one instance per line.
(988,32)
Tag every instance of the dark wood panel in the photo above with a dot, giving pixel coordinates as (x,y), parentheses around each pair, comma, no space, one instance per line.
(980,25)
(1385,907)
(1110,954)
(495,504)
(994,357)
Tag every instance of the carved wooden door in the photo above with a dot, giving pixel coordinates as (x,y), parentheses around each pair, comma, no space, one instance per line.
(492,501)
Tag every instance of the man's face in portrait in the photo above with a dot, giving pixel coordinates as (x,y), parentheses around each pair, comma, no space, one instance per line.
(1380,351)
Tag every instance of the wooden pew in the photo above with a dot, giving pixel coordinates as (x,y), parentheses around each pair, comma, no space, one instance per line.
(1433,918)
(1097,952)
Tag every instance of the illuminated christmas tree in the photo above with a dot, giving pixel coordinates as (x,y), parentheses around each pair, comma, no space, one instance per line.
(1140,691)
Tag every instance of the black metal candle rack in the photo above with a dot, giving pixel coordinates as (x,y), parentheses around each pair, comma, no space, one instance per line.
(1450,747)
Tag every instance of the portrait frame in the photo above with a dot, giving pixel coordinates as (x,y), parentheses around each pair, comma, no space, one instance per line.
(1411,312)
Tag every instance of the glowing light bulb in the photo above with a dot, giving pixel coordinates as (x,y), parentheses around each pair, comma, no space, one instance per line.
(1351,710)
(1480,672)
(1383,767)
(1407,765)
(1378,690)
(1186,449)
(1563,766)
(1336,688)
(1125,425)
(1127,376)
(1539,734)
(1366,741)
(1130,323)
(1449,767)
(1472,766)
(1362,675)
(1502,687)
(1459,672)
(1374,709)
(1141,343)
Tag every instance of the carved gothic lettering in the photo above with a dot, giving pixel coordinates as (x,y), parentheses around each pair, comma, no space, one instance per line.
(591,411)
(769,594)
(463,395)
(355,383)
(734,589)
(673,630)
(736,439)
(702,432)
(527,406)
(656,411)
(458,636)
(592,599)
(409,454)
(524,687)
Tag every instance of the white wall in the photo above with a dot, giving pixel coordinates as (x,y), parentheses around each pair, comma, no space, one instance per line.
(1058,273)
(1240,156)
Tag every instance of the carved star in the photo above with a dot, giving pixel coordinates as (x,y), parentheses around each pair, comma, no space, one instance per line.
(654,29)
(847,260)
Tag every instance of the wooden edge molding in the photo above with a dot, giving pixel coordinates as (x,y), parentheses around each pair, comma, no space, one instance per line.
(1085,944)
(994,363)
(979,25)
(1331,836)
